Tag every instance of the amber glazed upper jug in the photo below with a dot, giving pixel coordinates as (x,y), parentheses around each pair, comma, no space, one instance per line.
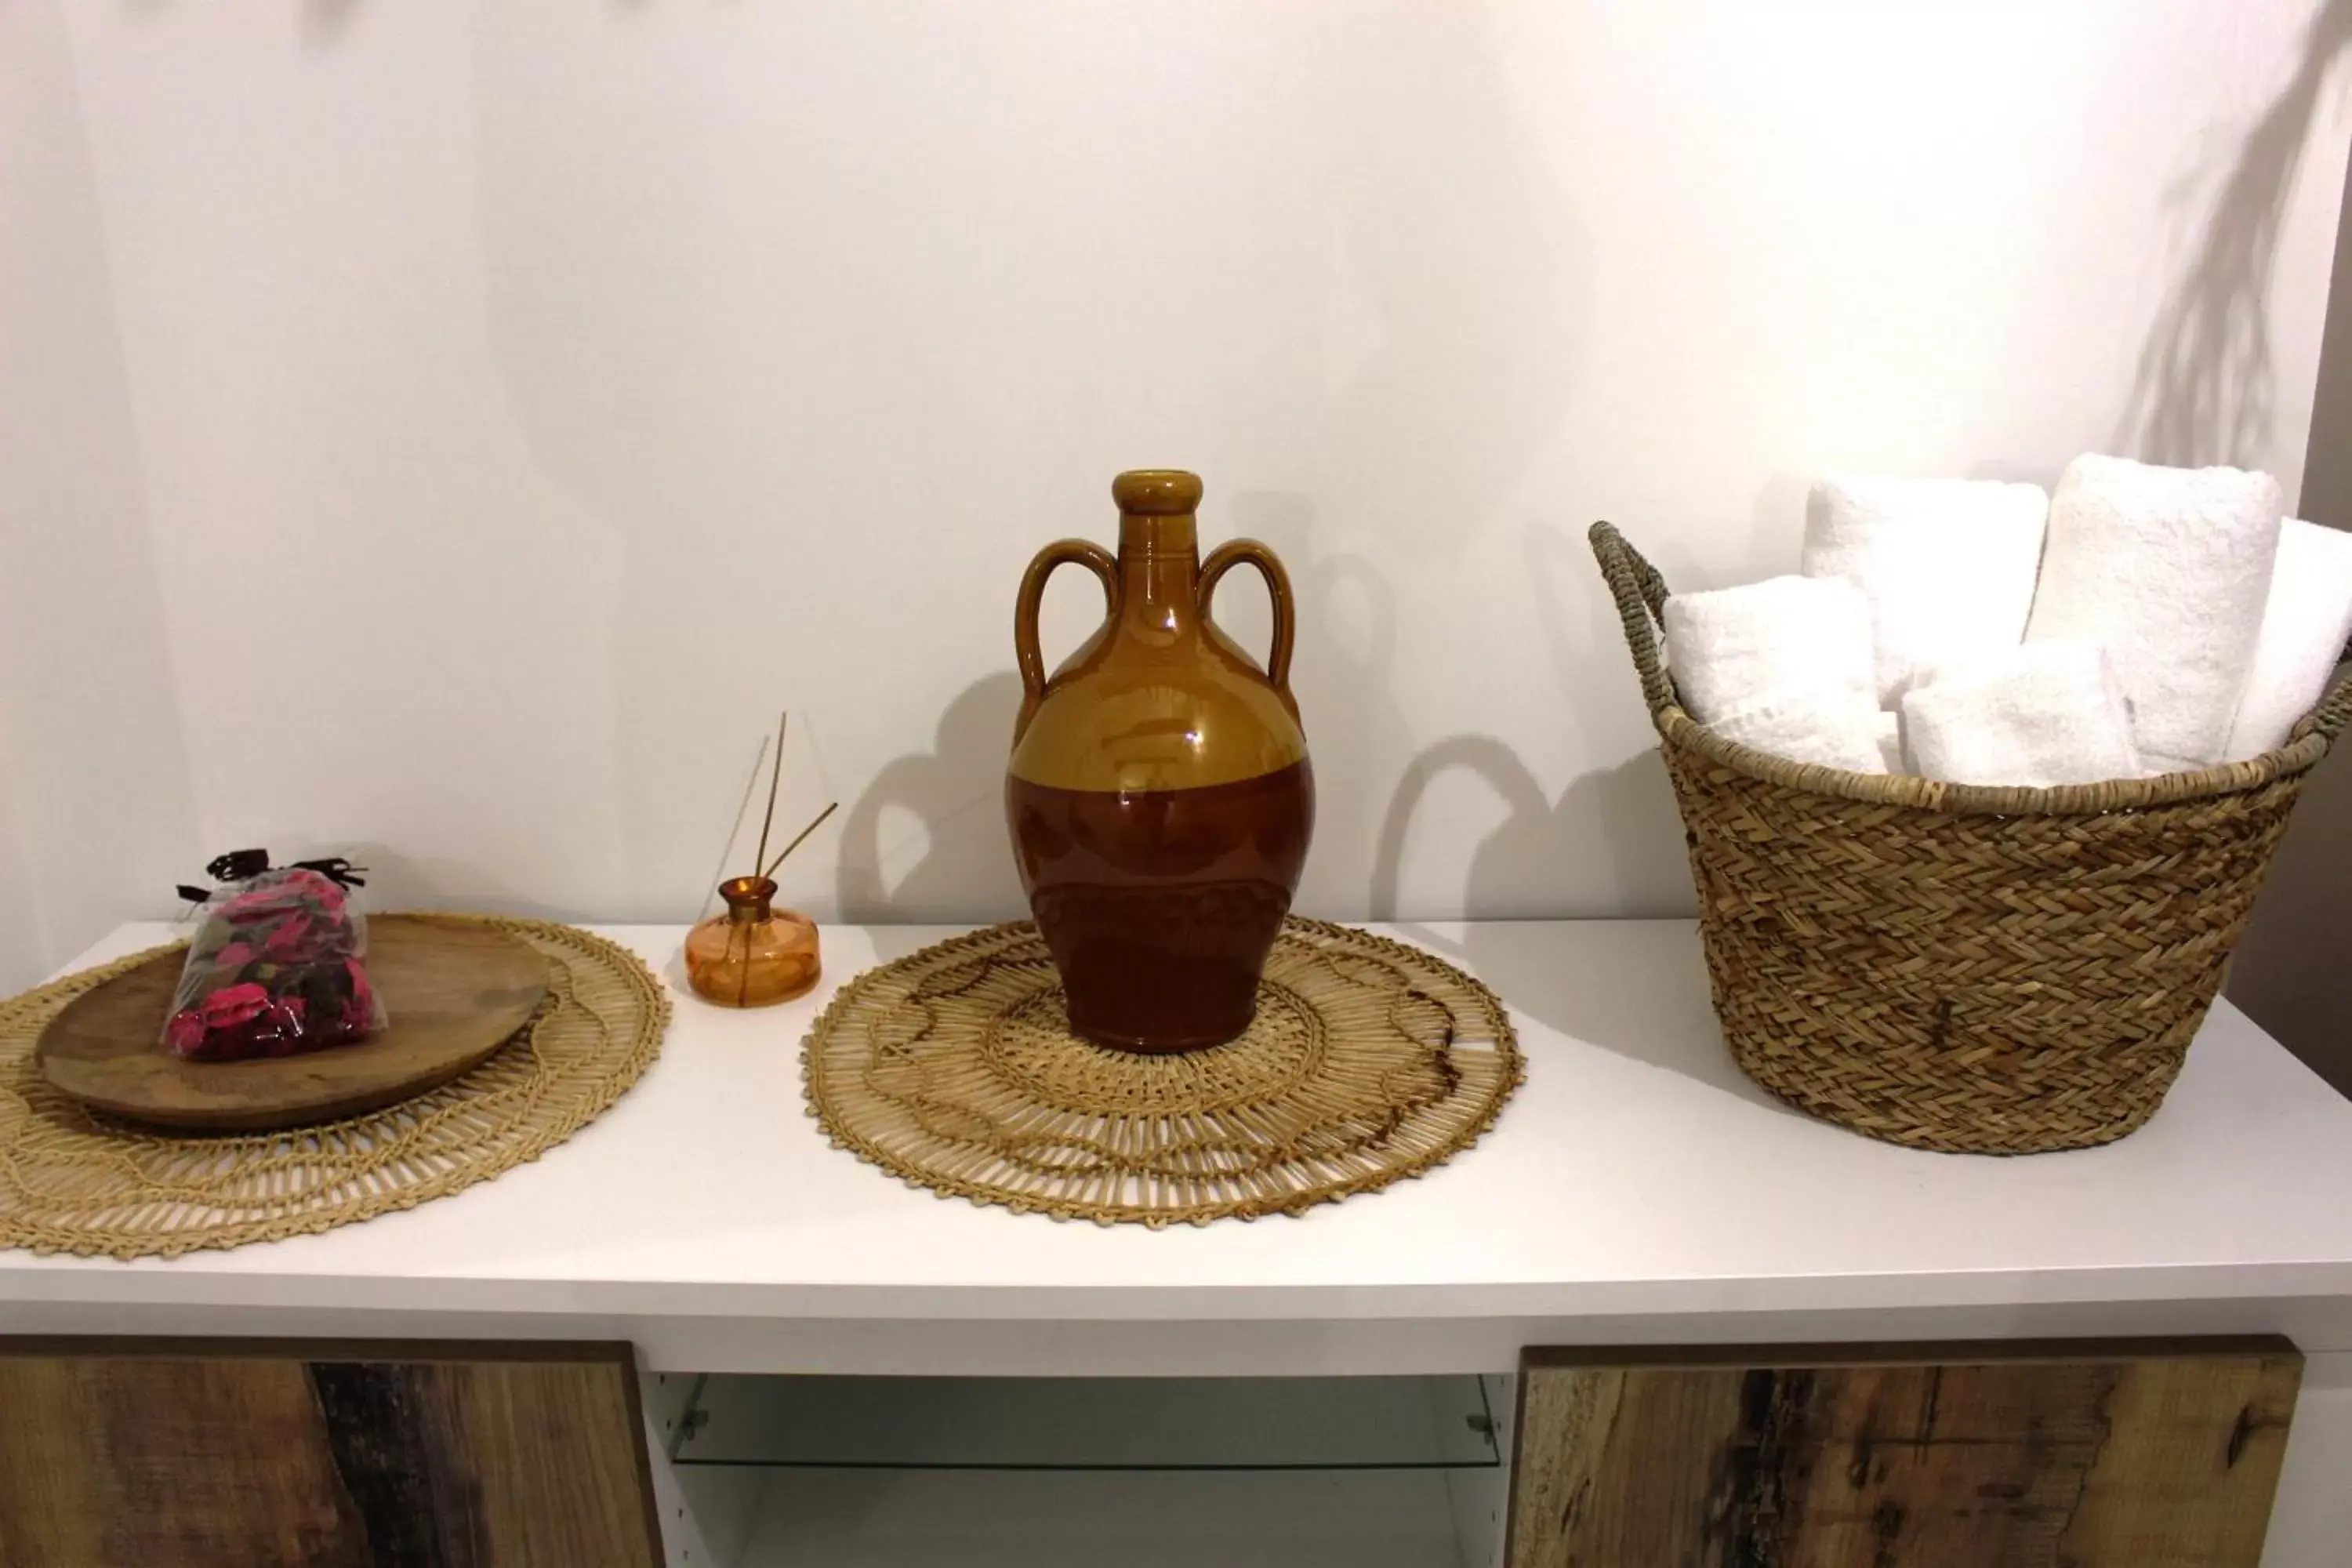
(1159,792)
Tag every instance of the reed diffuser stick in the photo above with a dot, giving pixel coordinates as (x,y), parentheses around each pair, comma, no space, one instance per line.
(804,833)
(774,778)
(743,810)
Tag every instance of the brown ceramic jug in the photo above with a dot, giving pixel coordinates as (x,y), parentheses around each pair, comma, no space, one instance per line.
(1159,792)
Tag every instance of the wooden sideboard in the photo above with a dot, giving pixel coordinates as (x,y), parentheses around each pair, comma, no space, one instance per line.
(314,1454)
(1638,1193)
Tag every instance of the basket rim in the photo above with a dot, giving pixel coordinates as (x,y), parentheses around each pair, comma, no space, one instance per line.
(1640,592)
(1678,728)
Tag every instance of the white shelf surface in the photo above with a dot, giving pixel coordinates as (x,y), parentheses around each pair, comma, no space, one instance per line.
(1638,1187)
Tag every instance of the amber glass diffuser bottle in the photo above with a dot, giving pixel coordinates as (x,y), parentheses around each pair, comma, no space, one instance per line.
(755,954)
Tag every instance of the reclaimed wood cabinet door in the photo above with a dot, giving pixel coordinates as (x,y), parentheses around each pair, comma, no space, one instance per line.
(2120,1455)
(250,1454)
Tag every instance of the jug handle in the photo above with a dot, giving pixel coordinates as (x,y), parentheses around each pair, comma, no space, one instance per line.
(1234,552)
(1062,551)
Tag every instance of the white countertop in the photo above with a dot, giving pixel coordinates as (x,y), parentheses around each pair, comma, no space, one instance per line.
(1636,1174)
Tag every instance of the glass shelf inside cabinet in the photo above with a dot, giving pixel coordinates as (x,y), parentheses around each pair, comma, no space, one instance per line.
(1089,1423)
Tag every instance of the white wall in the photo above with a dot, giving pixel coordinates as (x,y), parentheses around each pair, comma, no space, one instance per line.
(2289,973)
(448,432)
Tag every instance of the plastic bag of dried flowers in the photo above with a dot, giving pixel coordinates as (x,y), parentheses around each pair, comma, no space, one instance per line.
(277,967)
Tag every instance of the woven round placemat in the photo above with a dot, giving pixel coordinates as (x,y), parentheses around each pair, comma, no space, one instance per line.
(72,1180)
(955,1069)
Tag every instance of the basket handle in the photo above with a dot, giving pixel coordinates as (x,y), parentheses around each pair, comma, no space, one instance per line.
(1641,596)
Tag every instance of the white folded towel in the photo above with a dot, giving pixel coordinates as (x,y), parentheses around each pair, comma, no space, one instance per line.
(1947,565)
(1833,726)
(2049,712)
(2304,627)
(2169,568)
(1734,647)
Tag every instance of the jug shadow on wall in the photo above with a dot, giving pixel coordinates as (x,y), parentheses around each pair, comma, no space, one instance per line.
(1540,860)
(1582,992)
(955,791)
(1344,676)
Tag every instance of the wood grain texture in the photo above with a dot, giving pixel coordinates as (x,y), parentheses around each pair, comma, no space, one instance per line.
(454,993)
(2147,1456)
(227,1455)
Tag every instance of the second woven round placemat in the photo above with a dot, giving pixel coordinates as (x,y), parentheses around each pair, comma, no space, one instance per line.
(955,1069)
(74,1181)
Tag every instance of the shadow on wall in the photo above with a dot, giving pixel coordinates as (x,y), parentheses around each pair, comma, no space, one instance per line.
(97,805)
(954,793)
(320,23)
(324,22)
(399,881)
(1641,840)
(1343,674)
(1622,817)
(2289,972)
(2203,395)
(1576,991)
(708,337)
(2203,391)
(1611,844)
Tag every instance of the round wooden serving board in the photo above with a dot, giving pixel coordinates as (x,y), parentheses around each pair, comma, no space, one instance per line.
(456,992)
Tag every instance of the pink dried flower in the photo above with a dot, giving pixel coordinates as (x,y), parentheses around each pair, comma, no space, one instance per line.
(233,1004)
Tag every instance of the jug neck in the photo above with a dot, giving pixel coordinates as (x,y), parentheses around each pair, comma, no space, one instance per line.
(1159,572)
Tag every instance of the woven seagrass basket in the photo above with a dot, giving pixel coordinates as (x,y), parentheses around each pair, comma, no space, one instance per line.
(1961,967)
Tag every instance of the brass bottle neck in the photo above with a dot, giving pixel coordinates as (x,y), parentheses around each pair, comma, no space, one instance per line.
(749,900)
